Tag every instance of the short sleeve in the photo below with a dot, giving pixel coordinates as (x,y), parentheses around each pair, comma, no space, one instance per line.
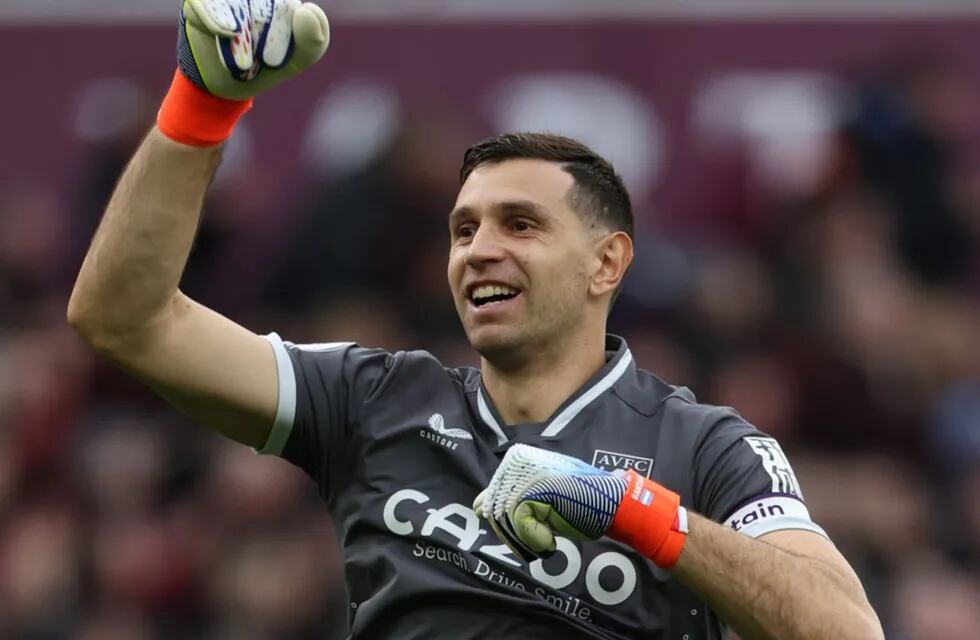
(322,388)
(743,479)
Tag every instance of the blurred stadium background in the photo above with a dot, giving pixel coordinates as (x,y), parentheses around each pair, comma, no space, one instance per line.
(807,183)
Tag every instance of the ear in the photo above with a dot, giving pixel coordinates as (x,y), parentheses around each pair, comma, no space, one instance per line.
(614,253)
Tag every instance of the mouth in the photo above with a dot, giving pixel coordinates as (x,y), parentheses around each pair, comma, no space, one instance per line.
(486,296)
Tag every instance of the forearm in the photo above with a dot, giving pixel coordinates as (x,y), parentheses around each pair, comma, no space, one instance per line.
(767,593)
(130,275)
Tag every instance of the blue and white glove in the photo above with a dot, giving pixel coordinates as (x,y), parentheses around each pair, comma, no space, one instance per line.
(235,49)
(537,494)
(227,52)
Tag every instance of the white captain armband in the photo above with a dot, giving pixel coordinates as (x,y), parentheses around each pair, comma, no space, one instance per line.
(772,512)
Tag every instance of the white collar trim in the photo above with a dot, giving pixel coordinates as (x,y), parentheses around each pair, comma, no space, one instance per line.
(559,422)
(488,418)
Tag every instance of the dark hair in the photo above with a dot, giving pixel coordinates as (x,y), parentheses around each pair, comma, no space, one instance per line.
(599,195)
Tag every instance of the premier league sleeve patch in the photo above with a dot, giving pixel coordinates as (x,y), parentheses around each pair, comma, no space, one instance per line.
(776,464)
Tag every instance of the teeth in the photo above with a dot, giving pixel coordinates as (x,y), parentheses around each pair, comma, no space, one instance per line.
(487,290)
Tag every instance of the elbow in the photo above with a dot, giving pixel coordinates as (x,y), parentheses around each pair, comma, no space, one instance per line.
(864,625)
(78,319)
(92,326)
(860,626)
(840,620)
(872,629)
(121,337)
(867,626)
(82,318)
(87,328)
(74,313)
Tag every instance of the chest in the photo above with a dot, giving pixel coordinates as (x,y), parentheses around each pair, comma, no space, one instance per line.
(416,474)
(440,446)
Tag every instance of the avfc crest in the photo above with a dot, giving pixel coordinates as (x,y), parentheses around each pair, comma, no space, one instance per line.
(611,460)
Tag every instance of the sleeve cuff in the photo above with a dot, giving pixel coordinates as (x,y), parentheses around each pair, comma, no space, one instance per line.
(286,407)
(772,512)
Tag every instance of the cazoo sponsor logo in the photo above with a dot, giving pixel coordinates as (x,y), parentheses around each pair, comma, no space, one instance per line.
(459,523)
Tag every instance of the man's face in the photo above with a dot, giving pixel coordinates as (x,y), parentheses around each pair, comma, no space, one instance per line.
(521,258)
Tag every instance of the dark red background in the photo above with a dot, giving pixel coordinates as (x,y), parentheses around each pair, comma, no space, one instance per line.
(666,61)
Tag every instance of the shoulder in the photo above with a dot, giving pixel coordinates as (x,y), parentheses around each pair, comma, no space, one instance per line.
(420,368)
(420,360)
(702,422)
(371,371)
(677,408)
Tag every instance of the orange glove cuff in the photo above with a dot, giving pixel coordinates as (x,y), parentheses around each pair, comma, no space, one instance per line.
(650,519)
(193,116)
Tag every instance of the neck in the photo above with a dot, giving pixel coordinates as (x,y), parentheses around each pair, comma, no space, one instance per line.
(533,391)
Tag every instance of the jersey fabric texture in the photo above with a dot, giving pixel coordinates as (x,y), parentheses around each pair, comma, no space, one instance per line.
(400,445)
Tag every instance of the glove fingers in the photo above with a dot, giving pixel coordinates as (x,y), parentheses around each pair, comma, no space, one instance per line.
(511,541)
(311,33)
(223,18)
(238,54)
(276,41)
(478,504)
(225,25)
(212,61)
(529,521)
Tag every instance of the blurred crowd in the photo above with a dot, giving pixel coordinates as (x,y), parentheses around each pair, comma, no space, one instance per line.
(833,301)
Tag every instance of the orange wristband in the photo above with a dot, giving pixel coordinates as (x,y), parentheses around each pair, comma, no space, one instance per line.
(650,519)
(191,115)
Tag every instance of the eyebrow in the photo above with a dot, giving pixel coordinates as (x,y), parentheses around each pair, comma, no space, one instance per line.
(459,212)
(507,206)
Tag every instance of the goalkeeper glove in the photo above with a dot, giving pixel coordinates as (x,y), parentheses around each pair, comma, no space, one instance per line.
(536,494)
(227,52)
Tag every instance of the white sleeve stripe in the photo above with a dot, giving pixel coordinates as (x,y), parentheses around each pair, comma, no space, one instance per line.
(783,524)
(286,406)
(772,513)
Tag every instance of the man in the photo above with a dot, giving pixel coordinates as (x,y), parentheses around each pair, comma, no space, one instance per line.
(400,446)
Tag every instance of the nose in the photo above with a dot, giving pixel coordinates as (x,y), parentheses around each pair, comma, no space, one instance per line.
(485,247)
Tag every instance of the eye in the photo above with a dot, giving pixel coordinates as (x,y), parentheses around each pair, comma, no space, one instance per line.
(520,225)
(465,230)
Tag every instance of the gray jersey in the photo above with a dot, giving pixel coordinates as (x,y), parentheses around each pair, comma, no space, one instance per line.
(399,446)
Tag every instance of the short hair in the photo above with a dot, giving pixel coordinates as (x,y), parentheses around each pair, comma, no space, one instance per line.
(599,195)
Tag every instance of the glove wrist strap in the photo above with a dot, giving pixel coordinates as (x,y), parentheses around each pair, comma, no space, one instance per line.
(651,520)
(192,116)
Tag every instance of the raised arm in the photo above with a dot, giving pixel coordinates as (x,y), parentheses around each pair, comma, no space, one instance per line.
(126,302)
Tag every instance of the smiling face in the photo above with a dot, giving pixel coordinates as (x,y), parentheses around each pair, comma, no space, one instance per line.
(525,269)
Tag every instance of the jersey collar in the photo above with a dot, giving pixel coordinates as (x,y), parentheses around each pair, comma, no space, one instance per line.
(619,361)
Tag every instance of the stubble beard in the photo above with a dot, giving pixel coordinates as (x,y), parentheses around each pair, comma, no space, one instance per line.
(535,338)
(509,349)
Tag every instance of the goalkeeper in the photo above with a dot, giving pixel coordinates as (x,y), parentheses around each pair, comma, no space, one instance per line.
(608,504)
